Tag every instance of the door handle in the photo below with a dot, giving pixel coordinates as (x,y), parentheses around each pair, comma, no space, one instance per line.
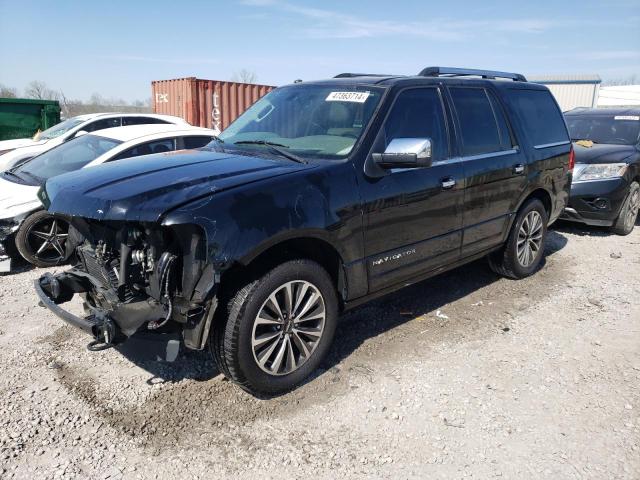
(448,183)
(518,169)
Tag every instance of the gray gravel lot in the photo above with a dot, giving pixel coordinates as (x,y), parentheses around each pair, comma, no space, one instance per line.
(464,375)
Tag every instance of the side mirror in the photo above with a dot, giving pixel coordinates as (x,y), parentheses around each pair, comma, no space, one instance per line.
(405,153)
(79,133)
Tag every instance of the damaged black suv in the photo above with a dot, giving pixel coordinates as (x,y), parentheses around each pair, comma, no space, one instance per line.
(318,198)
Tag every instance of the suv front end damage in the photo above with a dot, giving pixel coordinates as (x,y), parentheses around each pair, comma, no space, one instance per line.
(132,277)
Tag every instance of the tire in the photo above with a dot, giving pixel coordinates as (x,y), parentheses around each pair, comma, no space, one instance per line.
(507,261)
(629,212)
(233,337)
(30,239)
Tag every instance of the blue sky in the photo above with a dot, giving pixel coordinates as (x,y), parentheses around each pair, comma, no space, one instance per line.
(116,48)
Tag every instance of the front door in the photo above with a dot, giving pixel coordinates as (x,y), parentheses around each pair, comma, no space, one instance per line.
(413,216)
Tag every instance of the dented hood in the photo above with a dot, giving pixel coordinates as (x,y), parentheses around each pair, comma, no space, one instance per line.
(144,188)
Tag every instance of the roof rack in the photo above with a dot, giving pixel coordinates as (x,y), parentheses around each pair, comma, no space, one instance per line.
(464,72)
(351,75)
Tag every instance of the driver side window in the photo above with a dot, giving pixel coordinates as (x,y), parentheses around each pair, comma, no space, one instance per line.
(102,124)
(418,113)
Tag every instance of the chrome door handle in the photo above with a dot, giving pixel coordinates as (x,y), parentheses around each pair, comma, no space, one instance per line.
(518,169)
(448,183)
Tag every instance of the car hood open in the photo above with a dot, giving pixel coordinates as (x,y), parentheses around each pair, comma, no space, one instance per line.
(603,153)
(144,188)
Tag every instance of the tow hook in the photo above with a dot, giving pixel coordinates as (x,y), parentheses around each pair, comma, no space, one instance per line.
(104,333)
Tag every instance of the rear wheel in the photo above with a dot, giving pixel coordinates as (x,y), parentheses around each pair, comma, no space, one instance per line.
(629,212)
(523,252)
(277,329)
(41,239)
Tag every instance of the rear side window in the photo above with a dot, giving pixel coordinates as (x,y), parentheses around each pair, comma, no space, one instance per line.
(141,121)
(102,124)
(196,142)
(477,121)
(540,116)
(148,148)
(417,113)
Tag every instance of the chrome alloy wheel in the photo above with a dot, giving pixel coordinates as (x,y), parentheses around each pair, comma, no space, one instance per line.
(529,238)
(632,211)
(47,238)
(288,327)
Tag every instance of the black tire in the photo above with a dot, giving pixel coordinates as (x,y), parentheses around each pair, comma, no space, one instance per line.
(231,337)
(27,242)
(629,212)
(505,261)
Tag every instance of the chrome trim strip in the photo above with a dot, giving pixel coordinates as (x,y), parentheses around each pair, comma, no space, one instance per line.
(555,144)
(475,157)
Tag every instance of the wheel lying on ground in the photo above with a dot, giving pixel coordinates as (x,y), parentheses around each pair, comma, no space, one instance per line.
(41,239)
(629,212)
(524,249)
(277,329)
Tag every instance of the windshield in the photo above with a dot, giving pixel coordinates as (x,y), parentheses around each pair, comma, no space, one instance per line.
(611,129)
(59,129)
(310,121)
(67,157)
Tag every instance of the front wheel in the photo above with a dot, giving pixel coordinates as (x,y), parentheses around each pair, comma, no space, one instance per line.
(41,239)
(629,212)
(524,249)
(277,329)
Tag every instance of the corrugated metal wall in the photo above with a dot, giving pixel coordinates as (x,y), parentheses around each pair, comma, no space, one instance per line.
(205,103)
(571,96)
(571,91)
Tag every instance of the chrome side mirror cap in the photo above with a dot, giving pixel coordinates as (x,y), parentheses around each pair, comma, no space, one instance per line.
(405,153)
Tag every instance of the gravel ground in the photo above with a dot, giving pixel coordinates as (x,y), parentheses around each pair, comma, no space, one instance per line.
(464,375)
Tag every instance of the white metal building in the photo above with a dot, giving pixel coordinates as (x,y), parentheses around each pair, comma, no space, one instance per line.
(571,91)
(619,96)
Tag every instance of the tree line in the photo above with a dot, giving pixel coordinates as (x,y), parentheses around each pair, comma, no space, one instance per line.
(71,107)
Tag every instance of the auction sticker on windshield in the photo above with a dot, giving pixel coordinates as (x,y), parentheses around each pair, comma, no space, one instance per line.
(357,97)
(627,117)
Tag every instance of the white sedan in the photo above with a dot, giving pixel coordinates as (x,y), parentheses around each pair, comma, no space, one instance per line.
(14,151)
(40,237)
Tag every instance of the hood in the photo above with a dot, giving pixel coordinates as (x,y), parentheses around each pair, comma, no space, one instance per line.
(10,159)
(603,153)
(144,188)
(17,199)
(18,142)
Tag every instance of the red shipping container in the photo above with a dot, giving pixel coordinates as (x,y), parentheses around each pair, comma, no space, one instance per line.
(205,103)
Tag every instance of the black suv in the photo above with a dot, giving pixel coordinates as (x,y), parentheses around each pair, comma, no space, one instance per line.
(606,180)
(321,196)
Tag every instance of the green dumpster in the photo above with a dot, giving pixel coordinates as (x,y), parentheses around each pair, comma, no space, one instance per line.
(23,117)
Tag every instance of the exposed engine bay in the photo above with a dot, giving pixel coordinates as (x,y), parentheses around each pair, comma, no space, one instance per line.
(133,276)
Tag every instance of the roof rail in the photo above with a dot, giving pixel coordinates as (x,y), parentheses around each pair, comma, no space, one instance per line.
(463,72)
(351,75)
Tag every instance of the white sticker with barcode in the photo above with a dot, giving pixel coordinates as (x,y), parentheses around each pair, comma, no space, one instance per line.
(627,117)
(356,97)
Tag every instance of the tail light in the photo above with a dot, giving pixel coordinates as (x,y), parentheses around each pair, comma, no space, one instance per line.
(572,159)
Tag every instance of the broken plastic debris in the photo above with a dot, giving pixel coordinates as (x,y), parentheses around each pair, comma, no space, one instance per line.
(439,314)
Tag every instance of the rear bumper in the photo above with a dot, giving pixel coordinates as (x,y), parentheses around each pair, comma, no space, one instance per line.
(596,202)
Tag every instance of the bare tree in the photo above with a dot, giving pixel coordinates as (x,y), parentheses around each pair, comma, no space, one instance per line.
(39,90)
(630,80)
(8,92)
(244,76)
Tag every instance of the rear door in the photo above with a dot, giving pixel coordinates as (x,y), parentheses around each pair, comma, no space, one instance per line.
(494,167)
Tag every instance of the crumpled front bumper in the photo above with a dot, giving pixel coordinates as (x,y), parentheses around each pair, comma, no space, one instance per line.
(53,290)
(8,227)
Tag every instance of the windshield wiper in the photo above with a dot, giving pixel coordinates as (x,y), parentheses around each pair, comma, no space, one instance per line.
(276,147)
(11,174)
(31,175)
